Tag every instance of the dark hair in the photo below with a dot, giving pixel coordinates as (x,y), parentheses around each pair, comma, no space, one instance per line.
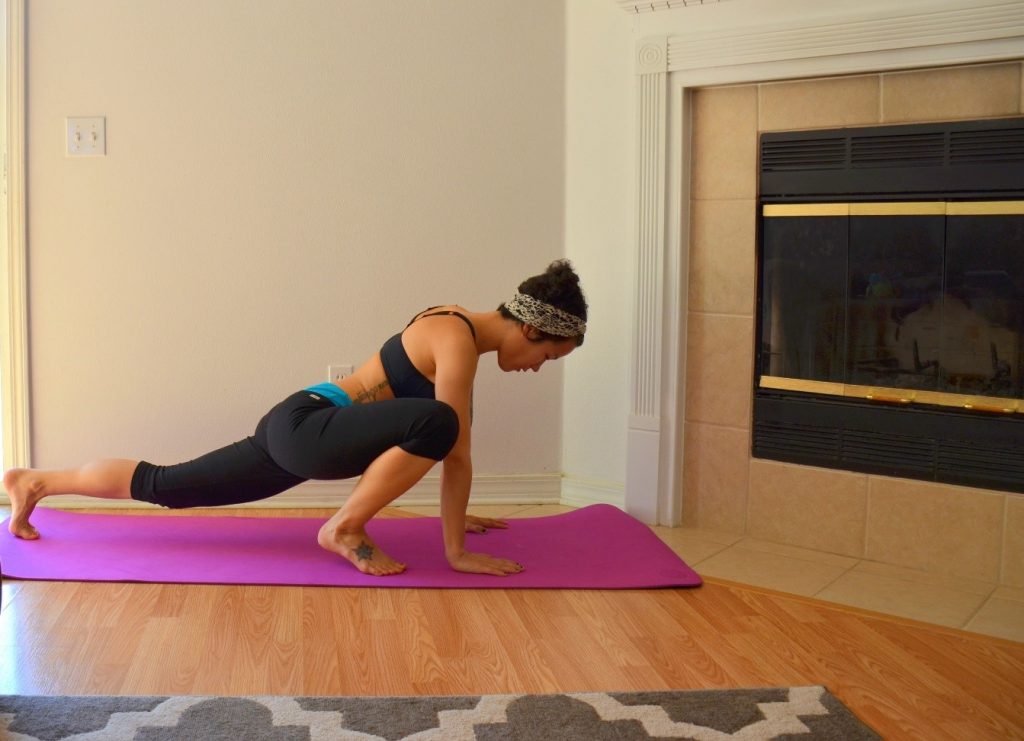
(558,286)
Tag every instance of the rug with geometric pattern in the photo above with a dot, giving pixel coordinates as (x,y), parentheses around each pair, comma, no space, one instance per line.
(776,713)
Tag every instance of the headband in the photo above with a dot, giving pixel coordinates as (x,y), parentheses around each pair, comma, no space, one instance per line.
(545,317)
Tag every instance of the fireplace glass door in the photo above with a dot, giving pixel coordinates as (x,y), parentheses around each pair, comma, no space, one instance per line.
(918,302)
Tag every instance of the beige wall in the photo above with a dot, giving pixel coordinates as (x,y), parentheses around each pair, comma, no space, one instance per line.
(962,532)
(599,238)
(287,181)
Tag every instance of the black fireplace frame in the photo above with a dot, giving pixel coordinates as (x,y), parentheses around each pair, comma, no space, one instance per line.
(975,160)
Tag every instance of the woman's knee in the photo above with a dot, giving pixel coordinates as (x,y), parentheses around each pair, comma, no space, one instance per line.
(434,432)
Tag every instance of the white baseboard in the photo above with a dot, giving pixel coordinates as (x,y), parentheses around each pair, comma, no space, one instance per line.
(512,489)
(583,492)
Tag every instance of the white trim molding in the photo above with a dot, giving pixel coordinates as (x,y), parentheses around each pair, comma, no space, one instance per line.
(746,42)
(652,6)
(578,492)
(14,373)
(643,439)
(900,29)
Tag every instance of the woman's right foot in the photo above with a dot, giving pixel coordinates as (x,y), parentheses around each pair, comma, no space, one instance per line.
(357,547)
(24,491)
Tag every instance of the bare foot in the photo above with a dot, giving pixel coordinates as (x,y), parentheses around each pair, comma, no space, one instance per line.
(24,492)
(357,547)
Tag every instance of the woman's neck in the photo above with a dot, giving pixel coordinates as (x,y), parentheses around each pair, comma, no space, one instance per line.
(491,328)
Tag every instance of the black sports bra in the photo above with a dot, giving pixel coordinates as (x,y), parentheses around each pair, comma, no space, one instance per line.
(403,377)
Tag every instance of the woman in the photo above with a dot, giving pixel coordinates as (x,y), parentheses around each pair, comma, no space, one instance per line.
(402,411)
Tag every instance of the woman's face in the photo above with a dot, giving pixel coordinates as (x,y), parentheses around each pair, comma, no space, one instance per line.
(523,351)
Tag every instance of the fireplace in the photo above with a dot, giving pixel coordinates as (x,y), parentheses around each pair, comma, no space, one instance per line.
(891,301)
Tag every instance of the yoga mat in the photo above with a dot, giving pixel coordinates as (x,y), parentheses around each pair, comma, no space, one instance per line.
(596,547)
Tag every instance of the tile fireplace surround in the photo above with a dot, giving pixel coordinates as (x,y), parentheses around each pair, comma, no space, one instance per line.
(964,533)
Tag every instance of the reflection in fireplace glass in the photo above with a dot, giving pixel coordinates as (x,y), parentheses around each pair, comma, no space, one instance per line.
(804,311)
(921,299)
(895,301)
(981,348)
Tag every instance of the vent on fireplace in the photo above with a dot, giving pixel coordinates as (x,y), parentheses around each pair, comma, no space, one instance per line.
(927,160)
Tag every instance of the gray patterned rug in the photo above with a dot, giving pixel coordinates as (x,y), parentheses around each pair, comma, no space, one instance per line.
(793,713)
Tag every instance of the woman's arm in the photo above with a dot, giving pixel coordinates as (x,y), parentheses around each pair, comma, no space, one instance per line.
(456,362)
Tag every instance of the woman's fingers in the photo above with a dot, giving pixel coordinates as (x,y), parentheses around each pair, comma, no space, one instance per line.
(504,566)
(481,563)
(476,524)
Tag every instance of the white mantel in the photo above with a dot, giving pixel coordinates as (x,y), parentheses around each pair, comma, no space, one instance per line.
(684,45)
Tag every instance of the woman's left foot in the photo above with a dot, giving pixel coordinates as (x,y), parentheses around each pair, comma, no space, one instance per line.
(24,493)
(357,547)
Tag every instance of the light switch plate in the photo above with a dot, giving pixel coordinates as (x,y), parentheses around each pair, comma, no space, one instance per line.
(87,136)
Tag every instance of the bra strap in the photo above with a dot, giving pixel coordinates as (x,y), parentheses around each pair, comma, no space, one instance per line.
(461,316)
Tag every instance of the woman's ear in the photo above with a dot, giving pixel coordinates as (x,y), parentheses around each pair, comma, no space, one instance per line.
(531,333)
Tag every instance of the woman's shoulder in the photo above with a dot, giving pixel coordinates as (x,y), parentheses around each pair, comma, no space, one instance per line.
(444,329)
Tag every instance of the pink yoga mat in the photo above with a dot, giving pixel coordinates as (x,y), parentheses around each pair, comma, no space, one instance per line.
(597,547)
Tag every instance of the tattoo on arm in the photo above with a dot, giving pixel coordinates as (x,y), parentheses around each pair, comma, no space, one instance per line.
(364,552)
(370,394)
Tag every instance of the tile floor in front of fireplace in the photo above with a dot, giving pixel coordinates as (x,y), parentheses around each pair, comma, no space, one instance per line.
(952,602)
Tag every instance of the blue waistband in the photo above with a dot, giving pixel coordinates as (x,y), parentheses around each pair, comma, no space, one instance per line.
(332,393)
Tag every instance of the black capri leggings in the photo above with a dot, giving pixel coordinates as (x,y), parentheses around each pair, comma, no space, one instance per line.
(304,437)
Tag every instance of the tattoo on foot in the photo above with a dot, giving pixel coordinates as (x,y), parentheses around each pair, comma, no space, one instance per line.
(364,552)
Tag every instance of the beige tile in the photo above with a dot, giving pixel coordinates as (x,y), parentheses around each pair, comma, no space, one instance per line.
(1009,593)
(430,510)
(957,92)
(808,104)
(973,586)
(803,554)
(1003,618)
(770,570)
(719,369)
(1013,543)
(723,256)
(715,467)
(940,605)
(725,142)
(537,510)
(497,510)
(952,530)
(480,510)
(815,508)
(713,536)
(688,543)
(690,512)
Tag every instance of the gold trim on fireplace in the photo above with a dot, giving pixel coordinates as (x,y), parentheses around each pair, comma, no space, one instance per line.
(925,208)
(885,208)
(881,395)
(984,208)
(807,209)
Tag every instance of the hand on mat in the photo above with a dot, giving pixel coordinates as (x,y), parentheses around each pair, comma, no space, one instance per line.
(481,563)
(476,524)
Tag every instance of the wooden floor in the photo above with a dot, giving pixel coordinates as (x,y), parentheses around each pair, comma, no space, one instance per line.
(905,679)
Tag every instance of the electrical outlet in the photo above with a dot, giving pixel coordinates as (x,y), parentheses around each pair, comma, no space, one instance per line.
(336,372)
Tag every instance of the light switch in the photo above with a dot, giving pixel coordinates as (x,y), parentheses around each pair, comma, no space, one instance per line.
(87,136)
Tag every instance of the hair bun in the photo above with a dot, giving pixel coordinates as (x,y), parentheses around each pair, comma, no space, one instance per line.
(562,271)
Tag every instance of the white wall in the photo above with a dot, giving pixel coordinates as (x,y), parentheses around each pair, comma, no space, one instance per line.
(600,187)
(287,181)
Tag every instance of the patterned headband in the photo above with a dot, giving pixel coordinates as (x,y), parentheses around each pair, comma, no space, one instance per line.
(545,317)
